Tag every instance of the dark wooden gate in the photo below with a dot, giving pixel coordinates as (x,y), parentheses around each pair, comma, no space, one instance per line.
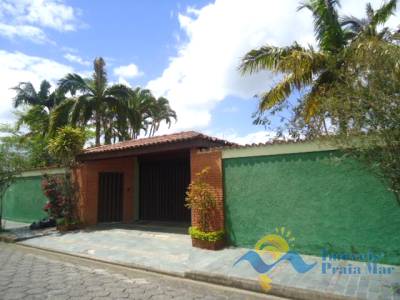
(162,188)
(110,197)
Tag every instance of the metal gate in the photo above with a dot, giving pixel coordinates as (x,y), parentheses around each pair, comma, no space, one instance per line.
(110,197)
(162,188)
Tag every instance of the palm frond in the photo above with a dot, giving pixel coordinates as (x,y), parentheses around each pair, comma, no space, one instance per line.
(266,58)
(384,13)
(25,94)
(354,23)
(60,116)
(73,83)
(44,90)
(327,27)
(277,94)
(303,65)
(118,91)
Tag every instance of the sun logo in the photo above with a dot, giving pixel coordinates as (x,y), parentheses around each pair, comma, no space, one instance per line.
(274,245)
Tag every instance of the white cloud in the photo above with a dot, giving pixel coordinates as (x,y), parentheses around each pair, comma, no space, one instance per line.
(204,71)
(32,33)
(16,67)
(76,59)
(257,137)
(30,17)
(50,13)
(127,72)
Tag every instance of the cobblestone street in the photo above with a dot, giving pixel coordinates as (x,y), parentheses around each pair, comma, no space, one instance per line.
(33,274)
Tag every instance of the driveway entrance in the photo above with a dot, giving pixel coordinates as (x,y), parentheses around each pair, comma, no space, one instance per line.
(162,188)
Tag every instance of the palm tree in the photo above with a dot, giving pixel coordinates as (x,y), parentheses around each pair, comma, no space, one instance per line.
(368,26)
(144,112)
(160,111)
(93,101)
(27,95)
(138,111)
(305,67)
(40,105)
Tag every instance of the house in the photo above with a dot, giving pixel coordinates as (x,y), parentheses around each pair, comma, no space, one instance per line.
(146,179)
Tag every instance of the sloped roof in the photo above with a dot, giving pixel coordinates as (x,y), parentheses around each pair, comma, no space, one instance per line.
(157,141)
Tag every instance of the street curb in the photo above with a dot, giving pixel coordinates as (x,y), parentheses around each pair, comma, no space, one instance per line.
(8,238)
(228,281)
(276,290)
(111,262)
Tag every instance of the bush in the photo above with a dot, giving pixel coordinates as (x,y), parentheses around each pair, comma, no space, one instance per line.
(67,144)
(201,197)
(211,236)
(62,201)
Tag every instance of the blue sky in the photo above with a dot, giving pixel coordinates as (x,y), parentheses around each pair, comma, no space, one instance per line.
(187,51)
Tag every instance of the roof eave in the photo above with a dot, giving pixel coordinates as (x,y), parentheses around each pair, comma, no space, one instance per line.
(149,149)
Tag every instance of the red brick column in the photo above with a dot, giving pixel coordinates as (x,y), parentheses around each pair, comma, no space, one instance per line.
(212,159)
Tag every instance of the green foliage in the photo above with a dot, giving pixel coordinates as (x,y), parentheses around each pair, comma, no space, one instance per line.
(62,198)
(117,112)
(67,144)
(200,197)
(313,72)
(11,164)
(211,236)
(367,100)
(105,113)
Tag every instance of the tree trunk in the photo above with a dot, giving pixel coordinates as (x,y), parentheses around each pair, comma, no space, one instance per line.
(98,129)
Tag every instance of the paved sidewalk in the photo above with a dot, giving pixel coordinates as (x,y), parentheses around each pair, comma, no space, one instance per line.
(172,253)
(38,275)
(18,231)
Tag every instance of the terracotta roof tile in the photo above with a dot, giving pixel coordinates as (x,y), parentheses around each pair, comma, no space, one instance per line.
(156,140)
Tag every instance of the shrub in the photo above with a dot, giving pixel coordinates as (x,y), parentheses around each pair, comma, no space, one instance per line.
(201,197)
(61,202)
(67,144)
(211,236)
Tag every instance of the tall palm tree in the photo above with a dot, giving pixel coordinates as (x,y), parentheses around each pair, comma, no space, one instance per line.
(93,101)
(306,67)
(300,66)
(368,26)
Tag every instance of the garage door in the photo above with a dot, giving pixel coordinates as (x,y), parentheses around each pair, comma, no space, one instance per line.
(162,188)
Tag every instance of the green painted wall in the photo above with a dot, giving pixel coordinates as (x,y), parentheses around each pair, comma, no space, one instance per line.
(324,201)
(24,200)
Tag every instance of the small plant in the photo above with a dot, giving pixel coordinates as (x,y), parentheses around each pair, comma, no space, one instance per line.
(201,198)
(61,204)
(51,186)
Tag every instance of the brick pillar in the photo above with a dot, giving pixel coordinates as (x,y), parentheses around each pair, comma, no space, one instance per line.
(212,159)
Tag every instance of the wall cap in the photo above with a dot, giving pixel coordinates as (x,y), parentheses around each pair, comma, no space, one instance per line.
(41,172)
(276,149)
